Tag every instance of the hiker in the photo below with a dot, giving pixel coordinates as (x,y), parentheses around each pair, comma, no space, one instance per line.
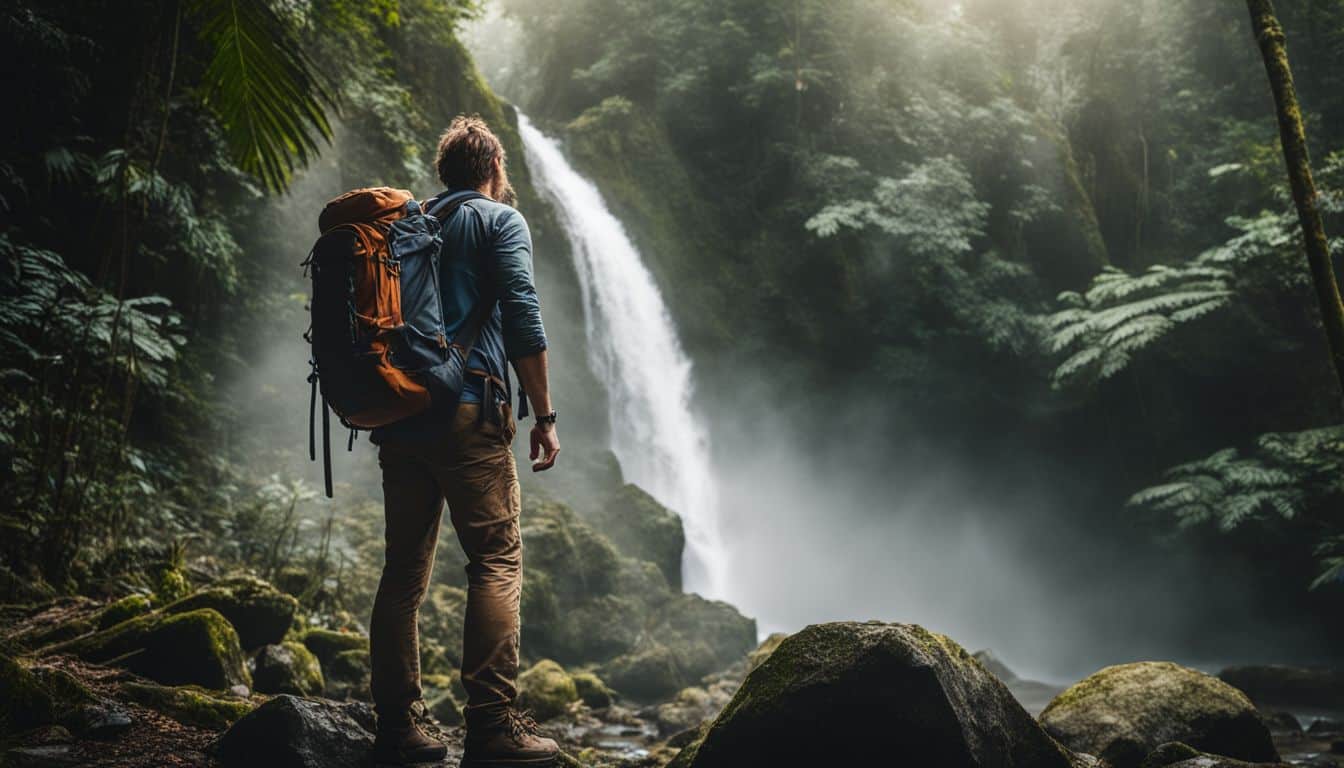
(463,456)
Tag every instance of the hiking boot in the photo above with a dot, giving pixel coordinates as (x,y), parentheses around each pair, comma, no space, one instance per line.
(404,744)
(506,739)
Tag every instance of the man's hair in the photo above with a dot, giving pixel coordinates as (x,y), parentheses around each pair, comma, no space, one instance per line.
(467,152)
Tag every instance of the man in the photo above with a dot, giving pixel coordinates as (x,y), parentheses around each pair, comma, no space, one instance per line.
(464,458)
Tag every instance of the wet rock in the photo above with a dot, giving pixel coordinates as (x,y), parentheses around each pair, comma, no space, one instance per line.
(1123,713)
(1177,755)
(868,694)
(289,732)
(103,720)
(197,647)
(287,667)
(42,756)
(260,613)
(546,689)
(188,704)
(592,691)
(642,528)
(1288,686)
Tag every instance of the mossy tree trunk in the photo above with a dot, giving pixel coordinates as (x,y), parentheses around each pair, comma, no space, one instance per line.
(1269,34)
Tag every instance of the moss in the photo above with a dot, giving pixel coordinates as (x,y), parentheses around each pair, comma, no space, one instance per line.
(259,612)
(170,584)
(194,647)
(24,701)
(288,667)
(546,689)
(592,691)
(642,528)
(188,704)
(327,643)
(757,657)
(121,610)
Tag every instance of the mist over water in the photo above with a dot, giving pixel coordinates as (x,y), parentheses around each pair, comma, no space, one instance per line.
(634,350)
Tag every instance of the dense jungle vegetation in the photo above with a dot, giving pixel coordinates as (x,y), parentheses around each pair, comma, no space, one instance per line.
(1057,231)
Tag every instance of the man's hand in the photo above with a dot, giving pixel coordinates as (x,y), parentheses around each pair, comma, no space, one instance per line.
(546,443)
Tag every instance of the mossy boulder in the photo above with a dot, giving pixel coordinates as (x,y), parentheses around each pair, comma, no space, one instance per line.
(24,701)
(446,709)
(704,635)
(287,667)
(874,694)
(1177,755)
(189,704)
(290,732)
(592,691)
(642,528)
(1123,713)
(326,643)
(441,627)
(580,562)
(170,583)
(124,609)
(646,673)
(347,675)
(595,629)
(259,612)
(196,647)
(546,689)
(688,709)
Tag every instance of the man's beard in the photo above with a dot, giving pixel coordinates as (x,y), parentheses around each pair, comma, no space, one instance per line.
(502,191)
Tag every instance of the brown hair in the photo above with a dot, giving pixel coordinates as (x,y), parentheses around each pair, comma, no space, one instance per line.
(467,153)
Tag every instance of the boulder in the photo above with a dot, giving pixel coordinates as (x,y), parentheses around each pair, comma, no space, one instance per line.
(326,643)
(121,610)
(260,613)
(287,667)
(446,709)
(290,732)
(1288,686)
(441,627)
(101,720)
(642,528)
(24,701)
(546,689)
(189,704)
(688,709)
(1177,755)
(646,673)
(347,676)
(704,635)
(592,691)
(197,647)
(1124,712)
(1324,726)
(874,694)
(595,629)
(580,562)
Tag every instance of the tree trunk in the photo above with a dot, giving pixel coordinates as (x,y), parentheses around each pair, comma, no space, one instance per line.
(1269,34)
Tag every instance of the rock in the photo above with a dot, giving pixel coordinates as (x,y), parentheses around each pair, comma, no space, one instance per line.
(170,584)
(592,691)
(1324,726)
(287,667)
(1281,722)
(188,704)
(691,707)
(1173,754)
(874,694)
(580,562)
(441,628)
(642,528)
(24,701)
(446,709)
(704,635)
(289,732)
(996,667)
(546,689)
(260,613)
(596,629)
(326,643)
(197,647)
(347,676)
(757,657)
(648,672)
(1124,712)
(1288,686)
(103,721)
(121,610)
(43,756)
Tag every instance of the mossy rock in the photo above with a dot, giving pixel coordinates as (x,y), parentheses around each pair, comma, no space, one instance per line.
(592,691)
(259,612)
(580,562)
(1177,755)
(327,643)
(24,701)
(642,528)
(441,628)
(196,647)
(292,732)
(1124,712)
(171,584)
(446,709)
(646,673)
(757,657)
(124,609)
(546,689)
(593,630)
(287,667)
(688,709)
(347,675)
(189,704)
(704,635)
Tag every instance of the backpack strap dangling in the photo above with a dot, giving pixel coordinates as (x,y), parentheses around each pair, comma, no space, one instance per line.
(326,446)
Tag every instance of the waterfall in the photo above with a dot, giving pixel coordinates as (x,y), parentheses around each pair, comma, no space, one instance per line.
(633,348)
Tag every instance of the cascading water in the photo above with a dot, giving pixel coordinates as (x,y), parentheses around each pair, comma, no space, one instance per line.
(633,347)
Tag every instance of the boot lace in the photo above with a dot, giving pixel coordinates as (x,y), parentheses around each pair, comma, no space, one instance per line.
(520,723)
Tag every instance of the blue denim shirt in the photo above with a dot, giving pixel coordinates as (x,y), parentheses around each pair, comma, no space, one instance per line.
(483,234)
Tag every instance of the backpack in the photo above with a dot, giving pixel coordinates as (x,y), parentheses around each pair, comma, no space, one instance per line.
(379,349)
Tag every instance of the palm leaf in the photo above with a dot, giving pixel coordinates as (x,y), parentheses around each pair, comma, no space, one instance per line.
(267,94)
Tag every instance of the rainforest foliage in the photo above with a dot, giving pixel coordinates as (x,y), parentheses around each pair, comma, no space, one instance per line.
(1045,226)
(1046,223)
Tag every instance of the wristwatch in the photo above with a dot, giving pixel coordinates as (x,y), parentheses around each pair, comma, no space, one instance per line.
(546,418)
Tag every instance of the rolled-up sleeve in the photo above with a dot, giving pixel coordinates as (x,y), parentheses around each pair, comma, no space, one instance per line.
(519,305)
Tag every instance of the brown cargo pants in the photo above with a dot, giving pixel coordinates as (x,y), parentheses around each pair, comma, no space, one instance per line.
(473,469)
